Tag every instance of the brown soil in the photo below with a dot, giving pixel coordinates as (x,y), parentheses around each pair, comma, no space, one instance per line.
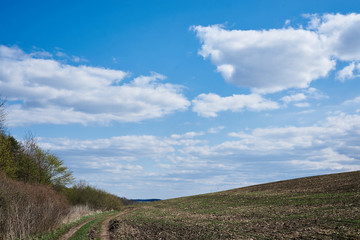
(321,207)
(111,226)
(105,233)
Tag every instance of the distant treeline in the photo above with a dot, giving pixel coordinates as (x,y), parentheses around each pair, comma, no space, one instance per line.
(146,200)
(34,188)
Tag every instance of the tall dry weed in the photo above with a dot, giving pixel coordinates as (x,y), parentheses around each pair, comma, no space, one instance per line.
(27,209)
(77,212)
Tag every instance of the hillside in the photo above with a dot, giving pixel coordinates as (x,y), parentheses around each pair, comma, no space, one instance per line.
(320,207)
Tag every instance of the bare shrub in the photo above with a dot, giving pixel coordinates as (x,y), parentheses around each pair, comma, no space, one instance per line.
(2,113)
(27,209)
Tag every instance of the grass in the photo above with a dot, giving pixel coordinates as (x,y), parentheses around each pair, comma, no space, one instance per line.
(93,227)
(322,207)
(58,232)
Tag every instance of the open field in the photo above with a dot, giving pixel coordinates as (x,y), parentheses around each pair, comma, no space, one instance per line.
(321,207)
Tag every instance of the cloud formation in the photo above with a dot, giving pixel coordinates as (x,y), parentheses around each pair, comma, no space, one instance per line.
(277,59)
(340,34)
(208,105)
(327,145)
(349,72)
(184,159)
(43,90)
(294,98)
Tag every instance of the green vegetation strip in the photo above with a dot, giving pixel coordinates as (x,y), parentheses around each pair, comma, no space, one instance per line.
(84,230)
(58,232)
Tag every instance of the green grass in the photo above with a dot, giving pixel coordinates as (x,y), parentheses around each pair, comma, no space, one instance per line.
(58,232)
(82,233)
(322,207)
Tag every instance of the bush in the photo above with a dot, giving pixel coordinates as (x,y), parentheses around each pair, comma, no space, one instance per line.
(84,194)
(27,209)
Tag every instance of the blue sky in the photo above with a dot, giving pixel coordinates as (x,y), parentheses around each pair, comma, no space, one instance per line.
(162,99)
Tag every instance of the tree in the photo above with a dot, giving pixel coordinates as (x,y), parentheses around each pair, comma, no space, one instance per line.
(28,167)
(38,165)
(7,156)
(2,114)
(26,161)
(58,175)
(42,166)
(8,146)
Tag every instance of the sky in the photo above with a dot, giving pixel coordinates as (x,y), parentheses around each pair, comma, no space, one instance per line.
(164,99)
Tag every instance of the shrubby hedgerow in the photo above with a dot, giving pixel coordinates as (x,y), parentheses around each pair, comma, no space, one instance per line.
(34,192)
(27,209)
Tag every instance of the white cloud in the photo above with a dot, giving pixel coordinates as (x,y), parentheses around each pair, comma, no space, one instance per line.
(315,94)
(332,144)
(63,56)
(120,146)
(52,92)
(346,73)
(302,104)
(277,59)
(327,159)
(41,54)
(341,34)
(298,99)
(337,134)
(353,101)
(208,105)
(329,145)
(227,70)
(327,133)
(314,21)
(215,129)
(320,165)
(187,135)
(294,98)
(330,155)
(266,60)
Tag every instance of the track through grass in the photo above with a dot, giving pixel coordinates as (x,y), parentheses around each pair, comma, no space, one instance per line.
(58,232)
(95,225)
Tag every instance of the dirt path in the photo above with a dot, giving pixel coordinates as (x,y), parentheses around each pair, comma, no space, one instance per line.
(105,233)
(74,230)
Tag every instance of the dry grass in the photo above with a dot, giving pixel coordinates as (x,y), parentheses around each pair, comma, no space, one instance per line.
(77,212)
(323,207)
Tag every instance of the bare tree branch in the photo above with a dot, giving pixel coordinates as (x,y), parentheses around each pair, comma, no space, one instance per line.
(2,113)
